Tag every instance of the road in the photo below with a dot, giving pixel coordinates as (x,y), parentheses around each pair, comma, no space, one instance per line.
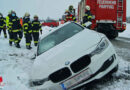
(122,47)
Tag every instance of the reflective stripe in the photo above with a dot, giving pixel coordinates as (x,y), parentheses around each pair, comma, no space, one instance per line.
(1,26)
(86,15)
(30,31)
(14,20)
(35,41)
(11,40)
(16,41)
(24,32)
(83,25)
(19,38)
(35,30)
(27,44)
(15,30)
(89,17)
(7,20)
(74,18)
(36,23)
(68,17)
(25,24)
(26,28)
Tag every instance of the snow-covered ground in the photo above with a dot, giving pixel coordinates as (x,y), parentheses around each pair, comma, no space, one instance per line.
(15,65)
(126,33)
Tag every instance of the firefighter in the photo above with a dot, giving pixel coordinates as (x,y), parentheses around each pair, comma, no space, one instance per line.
(71,10)
(36,27)
(88,16)
(27,29)
(9,28)
(15,27)
(3,25)
(69,16)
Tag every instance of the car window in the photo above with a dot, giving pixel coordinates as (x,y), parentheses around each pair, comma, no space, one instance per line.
(58,36)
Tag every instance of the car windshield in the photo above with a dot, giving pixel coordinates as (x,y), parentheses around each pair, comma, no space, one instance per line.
(58,36)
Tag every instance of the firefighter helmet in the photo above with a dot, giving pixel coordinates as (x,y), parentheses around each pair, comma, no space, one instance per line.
(87,7)
(26,14)
(13,13)
(35,16)
(71,7)
(10,11)
(66,11)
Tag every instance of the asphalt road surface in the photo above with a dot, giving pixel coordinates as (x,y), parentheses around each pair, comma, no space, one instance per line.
(122,47)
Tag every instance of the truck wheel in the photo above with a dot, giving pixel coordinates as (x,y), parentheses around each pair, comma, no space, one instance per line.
(113,34)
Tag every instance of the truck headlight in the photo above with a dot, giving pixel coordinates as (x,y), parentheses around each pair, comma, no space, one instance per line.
(38,82)
(103,44)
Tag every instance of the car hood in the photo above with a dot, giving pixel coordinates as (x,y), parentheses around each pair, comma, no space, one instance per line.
(67,51)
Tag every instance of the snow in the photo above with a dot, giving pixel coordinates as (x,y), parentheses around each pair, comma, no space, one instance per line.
(126,33)
(15,66)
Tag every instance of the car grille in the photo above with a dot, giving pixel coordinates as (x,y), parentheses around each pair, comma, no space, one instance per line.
(81,63)
(60,75)
(65,73)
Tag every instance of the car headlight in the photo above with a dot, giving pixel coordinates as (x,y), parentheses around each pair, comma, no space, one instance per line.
(38,82)
(103,44)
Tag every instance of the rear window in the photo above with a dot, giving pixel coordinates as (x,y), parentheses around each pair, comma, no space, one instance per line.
(58,36)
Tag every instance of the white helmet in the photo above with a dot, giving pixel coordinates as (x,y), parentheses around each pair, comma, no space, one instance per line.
(87,7)
(26,14)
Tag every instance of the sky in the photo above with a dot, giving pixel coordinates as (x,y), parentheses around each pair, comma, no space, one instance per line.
(42,8)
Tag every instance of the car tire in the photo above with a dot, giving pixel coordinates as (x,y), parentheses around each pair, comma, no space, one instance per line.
(113,34)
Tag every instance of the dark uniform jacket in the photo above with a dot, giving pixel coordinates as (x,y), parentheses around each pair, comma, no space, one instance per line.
(36,26)
(27,26)
(2,23)
(14,24)
(87,17)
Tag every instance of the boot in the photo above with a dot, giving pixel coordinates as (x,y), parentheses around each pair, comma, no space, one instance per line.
(5,36)
(35,44)
(10,43)
(29,47)
(17,45)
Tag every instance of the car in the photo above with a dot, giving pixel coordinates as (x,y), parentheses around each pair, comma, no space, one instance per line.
(71,56)
(50,23)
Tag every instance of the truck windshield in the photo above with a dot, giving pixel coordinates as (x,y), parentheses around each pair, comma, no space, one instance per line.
(58,36)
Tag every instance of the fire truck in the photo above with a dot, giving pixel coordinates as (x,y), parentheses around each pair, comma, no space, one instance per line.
(109,16)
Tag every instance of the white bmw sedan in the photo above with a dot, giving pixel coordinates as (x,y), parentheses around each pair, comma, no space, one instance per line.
(70,57)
